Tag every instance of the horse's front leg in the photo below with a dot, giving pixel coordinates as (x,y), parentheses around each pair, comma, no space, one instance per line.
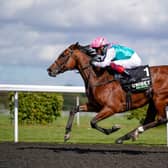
(70,122)
(103,114)
(82,108)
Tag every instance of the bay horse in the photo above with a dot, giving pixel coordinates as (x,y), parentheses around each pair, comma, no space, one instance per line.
(105,95)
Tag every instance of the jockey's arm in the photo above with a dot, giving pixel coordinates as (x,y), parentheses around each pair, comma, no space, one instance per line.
(110,54)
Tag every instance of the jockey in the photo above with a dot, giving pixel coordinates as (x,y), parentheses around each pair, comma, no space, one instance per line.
(118,57)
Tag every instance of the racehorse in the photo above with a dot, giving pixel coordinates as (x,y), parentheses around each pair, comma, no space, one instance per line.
(105,95)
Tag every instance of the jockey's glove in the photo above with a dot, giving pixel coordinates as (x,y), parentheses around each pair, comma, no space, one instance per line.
(97,58)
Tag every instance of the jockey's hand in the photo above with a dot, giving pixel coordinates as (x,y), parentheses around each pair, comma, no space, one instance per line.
(97,58)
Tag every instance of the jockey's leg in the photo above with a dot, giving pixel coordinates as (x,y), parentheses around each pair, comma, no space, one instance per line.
(121,70)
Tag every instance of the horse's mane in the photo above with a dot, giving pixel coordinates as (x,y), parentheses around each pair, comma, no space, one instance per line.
(86,49)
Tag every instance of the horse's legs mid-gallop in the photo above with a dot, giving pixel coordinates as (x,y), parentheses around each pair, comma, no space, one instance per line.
(149,122)
(104,113)
(134,133)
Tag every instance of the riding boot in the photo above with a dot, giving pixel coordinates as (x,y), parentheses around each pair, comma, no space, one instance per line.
(127,74)
(121,70)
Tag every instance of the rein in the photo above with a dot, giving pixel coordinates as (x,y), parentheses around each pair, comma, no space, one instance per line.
(86,67)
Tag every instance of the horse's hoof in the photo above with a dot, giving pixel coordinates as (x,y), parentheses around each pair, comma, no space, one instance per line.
(119,141)
(116,128)
(66,137)
(134,136)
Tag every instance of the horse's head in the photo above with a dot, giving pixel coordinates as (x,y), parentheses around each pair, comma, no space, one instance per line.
(65,61)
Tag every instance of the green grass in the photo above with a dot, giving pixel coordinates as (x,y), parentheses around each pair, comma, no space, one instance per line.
(80,134)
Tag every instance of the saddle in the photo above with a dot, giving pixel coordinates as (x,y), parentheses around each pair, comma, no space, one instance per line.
(141,83)
(142,79)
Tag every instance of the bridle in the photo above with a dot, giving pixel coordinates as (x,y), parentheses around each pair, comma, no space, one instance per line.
(60,66)
(68,56)
(85,67)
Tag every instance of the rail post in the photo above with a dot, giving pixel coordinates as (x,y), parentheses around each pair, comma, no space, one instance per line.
(78,115)
(16,117)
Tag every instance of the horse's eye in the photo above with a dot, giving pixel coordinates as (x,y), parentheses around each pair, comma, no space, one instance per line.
(63,54)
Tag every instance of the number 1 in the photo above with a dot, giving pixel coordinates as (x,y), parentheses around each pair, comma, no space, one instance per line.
(147,71)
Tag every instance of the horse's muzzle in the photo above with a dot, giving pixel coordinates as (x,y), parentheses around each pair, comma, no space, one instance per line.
(52,73)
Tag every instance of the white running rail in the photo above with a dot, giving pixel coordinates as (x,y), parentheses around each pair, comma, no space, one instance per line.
(36,88)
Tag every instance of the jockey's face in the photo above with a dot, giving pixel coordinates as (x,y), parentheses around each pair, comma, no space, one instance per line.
(99,50)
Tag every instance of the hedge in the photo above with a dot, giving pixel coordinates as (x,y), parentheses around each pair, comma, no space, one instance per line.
(138,114)
(37,108)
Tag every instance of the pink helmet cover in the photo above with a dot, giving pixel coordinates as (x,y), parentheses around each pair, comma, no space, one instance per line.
(98,42)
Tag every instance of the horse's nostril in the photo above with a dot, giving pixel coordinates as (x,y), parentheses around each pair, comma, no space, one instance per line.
(48,70)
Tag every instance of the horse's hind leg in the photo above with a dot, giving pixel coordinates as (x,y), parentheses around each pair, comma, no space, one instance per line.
(158,109)
(133,133)
(104,113)
(149,122)
(151,113)
(150,118)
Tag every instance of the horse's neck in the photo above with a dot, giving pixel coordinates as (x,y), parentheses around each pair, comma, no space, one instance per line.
(90,76)
(85,70)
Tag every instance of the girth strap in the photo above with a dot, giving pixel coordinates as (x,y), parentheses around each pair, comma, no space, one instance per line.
(128,101)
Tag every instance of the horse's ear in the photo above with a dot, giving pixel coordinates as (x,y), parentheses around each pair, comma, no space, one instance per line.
(77,44)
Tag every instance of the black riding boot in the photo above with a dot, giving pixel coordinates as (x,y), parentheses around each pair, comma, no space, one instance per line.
(128,76)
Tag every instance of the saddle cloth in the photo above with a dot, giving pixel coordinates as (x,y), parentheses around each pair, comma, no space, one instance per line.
(142,77)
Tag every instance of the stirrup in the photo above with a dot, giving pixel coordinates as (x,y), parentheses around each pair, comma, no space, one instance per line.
(129,77)
(126,73)
(132,80)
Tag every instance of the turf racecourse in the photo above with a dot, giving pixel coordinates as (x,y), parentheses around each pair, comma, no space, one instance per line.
(83,133)
(52,155)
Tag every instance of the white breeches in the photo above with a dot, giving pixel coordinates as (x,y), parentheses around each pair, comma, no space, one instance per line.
(129,63)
